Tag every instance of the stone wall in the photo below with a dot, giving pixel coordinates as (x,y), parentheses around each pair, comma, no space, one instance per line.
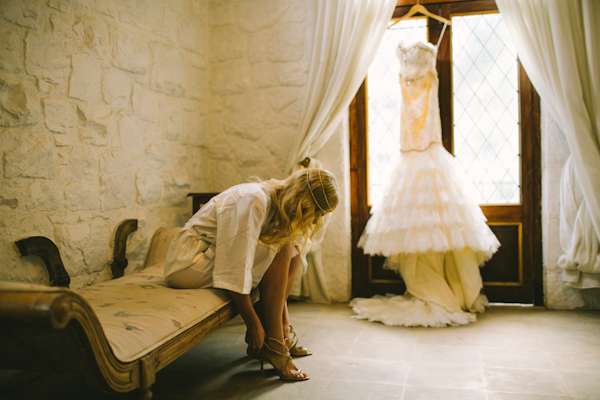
(259,62)
(102,113)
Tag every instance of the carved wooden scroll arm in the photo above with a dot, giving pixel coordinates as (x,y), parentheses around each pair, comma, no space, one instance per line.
(46,249)
(119,262)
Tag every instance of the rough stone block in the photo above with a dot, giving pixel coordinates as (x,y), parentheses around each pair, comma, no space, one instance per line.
(81,196)
(66,139)
(19,101)
(116,88)
(220,13)
(44,195)
(60,5)
(19,104)
(46,58)
(15,100)
(32,160)
(257,46)
(253,16)
(280,98)
(11,49)
(25,13)
(198,61)
(168,71)
(145,103)
(144,23)
(82,164)
(194,131)
(107,8)
(286,43)
(149,187)
(296,12)
(198,8)
(115,163)
(197,87)
(11,202)
(263,75)
(191,35)
(129,51)
(176,5)
(91,36)
(151,8)
(132,132)
(155,156)
(226,44)
(95,254)
(291,74)
(61,25)
(94,137)
(85,81)
(170,122)
(94,114)
(86,5)
(117,190)
(229,78)
(59,115)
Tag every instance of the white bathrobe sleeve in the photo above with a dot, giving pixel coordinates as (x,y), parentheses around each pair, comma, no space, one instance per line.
(239,223)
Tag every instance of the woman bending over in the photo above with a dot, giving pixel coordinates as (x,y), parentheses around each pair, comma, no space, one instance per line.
(255,235)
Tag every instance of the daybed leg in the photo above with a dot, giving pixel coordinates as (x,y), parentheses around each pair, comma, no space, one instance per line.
(141,394)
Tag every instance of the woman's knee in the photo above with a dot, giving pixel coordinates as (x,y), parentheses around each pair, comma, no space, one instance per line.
(286,251)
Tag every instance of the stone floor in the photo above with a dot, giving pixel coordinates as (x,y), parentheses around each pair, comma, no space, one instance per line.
(517,353)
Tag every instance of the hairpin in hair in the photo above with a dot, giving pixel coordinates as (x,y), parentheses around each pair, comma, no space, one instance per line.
(313,195)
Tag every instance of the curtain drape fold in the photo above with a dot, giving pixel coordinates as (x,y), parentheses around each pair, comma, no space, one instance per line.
(346,36)
(558,43)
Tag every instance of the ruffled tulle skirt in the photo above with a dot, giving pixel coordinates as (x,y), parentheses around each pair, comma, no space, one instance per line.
(427,208)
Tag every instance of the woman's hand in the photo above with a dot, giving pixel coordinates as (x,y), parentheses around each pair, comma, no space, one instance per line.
(255,334)
(255,337)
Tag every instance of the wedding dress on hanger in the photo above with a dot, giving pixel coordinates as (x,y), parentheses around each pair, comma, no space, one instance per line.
(427,224)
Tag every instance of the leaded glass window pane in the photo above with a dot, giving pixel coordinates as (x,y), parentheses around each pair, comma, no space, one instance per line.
(486,107)
(383,107)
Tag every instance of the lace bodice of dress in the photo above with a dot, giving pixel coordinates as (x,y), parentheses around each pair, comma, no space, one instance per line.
(420,124)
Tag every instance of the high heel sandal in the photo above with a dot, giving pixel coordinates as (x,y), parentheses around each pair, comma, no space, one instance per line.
(279,360)
(293,348)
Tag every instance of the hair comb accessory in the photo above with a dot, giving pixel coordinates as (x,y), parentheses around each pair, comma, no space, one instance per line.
(313,195)
(323,188)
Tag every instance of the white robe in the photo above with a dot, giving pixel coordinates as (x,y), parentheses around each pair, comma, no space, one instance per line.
(221,243)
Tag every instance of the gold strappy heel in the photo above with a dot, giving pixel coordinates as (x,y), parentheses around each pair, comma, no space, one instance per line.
(293,348)
(279,360)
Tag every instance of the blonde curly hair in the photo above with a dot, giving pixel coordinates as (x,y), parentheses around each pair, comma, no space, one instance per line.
(298,204)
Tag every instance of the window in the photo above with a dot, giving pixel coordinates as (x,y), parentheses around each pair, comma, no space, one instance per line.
(490,122)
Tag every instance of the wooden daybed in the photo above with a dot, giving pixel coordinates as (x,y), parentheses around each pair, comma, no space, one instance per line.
(117,334)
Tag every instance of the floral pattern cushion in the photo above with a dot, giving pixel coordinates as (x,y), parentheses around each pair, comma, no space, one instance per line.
(138,312)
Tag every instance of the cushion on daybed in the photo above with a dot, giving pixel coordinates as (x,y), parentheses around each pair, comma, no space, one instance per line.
(138,312)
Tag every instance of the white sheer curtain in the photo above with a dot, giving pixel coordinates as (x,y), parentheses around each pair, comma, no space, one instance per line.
(346,36)
(558,43)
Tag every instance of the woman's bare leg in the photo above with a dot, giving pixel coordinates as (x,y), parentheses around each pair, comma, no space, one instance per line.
(273,289)
(294,265)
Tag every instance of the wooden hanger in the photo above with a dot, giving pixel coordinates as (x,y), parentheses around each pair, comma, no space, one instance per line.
(418,8)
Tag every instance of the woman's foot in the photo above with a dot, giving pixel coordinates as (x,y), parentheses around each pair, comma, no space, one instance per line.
(291,342)
(276,353)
